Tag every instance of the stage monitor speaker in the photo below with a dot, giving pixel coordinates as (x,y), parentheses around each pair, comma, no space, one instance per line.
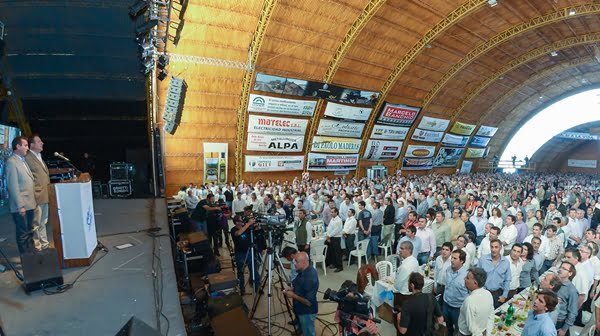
(41,270)
(174,104)
(137,327)
(233,322)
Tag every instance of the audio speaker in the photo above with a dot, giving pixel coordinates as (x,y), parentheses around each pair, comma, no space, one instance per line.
(137,327)
(174,104)
(41,270)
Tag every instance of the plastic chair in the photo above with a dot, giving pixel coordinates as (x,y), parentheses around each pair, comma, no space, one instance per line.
(384,268)
(316,243)
(395,260)
(318,255)
(385,246)
(361,251)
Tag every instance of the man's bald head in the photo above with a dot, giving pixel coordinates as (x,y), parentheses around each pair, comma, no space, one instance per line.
(301,261)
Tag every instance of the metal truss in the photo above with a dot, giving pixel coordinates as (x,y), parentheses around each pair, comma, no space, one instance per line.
(217,62)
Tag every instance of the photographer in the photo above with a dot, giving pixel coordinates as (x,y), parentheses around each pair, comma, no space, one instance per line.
(241,239)
(353,312)
(199,215)
(304,294)
(213,220)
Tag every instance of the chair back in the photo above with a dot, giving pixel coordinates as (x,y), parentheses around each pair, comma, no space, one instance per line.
(363,245)
(318,253)
(317,242)
(384,268)
(395,260)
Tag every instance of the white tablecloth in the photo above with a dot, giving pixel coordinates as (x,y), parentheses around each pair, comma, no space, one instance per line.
(387,286)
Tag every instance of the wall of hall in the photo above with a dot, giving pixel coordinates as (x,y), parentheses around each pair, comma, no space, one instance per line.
(588,151)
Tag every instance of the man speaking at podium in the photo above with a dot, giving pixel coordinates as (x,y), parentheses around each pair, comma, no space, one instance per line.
(41,179)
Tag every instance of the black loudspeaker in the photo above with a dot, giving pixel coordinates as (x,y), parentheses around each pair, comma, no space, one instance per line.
(174,104)
(233,322)
(41,270)
(136,327)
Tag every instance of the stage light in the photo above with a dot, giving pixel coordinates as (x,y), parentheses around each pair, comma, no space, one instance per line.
(146,27)
(162,74)
(147,66)
(492,3)
(147,45)
(572,12)
(553,54)
(138,8)
(163,61)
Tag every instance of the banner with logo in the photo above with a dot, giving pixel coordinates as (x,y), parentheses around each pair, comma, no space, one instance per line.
(317,161)
(275,143)
(448,157)
(215,162)
(582,163)
(475,153)
(380,150)
(398,114)
(274,163)
(487,131)
(340,128)
(466,167)
(325,144)
(347,112)
(455,140)
(433,124)
(269,83)
(427,136)
(420,151)
(389,132)
(274,125)
(323,91)
(480,142)
(417,164)
(462,128)
(275,105)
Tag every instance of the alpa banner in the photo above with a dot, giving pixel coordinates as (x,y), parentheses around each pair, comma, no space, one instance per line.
(479,142)
(462,128)
(427,136)
(448,157)
(475,153)
(379,150)
(324,162)
(275,143)
(398,114)
(487,131)
(274,125)
(347,112)
(454,140)
(582,163)
(419,151)
(417,164)
(433,124)
(339,128)
(389,132)
(335,145)
(273,163)
(276,105)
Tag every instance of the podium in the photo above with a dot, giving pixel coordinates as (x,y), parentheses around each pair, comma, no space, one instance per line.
(71,212)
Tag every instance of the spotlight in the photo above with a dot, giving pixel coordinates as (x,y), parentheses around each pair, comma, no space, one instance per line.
(163,61)
(138,8)
(145,46)
(147,67)
(145,28)
(147,53)
(162,74)
(572,11)
(553,54)
(492,3)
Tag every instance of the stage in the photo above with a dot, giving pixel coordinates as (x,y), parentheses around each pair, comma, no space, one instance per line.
(120,284)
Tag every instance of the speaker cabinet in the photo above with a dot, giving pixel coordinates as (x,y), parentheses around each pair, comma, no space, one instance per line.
(41,270)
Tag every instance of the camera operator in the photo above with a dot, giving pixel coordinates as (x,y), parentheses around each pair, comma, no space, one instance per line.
(259,237)
(304,294)
(213,219)
(353,312)
(241,239)
(199,215)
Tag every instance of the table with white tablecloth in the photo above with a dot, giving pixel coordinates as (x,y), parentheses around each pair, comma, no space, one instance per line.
(384,291)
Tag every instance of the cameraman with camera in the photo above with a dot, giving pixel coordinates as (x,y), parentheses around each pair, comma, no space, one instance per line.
(304,294)
(242,241)
(353,312)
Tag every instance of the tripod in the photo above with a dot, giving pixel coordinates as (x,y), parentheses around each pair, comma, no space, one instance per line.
(252,267)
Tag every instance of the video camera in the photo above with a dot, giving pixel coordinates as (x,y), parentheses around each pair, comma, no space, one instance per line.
(349,300)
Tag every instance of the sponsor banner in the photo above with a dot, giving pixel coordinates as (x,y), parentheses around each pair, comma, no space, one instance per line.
(347,112)
(335,145)
(274,125)
(317,161)
(448,157)
(466,167)
(462,128)
(582,163)
(379,150)
(398,114)
(274,143)
(323,91)
(351,96)
(487,131)
(455,140)
(389,132)
(275,105)
(273,163)
(417,164)
(433,124)
(215,162)
(480,142)
(269,83)
(340,128)
(475,153)
(427,136)
(420,151)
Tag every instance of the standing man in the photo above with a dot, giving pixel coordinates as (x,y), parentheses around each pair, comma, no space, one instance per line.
(427,247)
(349,232)
(479,221)
(41,179)
(442,262)
(334,241)
(415,317)
(304,294)
(21,193)
(441,230)
(478,306)
(455,291)
(509,233)
(240,234)
(498,273)
(303,232)
(408,266)
(569,297)
(457,226)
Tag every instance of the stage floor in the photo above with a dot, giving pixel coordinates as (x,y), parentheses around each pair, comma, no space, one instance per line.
(115,288)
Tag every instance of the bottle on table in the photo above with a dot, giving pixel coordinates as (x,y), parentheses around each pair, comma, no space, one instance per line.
(508,320)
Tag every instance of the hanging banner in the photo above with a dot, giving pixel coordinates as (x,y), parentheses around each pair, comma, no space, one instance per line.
(433,124)
(448,157)
(347,112)
(479,142)
(398,114)
(275,143)
(466,167)
(273,163)
(322,162)
(273,125)
(427,136)
(475,153)
(352,96)
(420,151)
(378,150)
(487,131)
(269,83)
(462,128)
(455,140)
(582,163)
(335,145)
(215,162)
(275,105)
(389,132)
(323,90)
(339,128)
(417,164)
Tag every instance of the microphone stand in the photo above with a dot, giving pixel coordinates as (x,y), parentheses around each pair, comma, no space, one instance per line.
(77,171)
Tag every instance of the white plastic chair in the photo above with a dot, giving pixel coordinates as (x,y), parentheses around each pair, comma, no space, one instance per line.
(361,251)
(395,260)
(385,246)
(316,243)
(318,255)
(384,268)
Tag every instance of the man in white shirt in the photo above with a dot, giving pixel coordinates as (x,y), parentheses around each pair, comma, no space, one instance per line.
(574,228)
(581,280)
(191,200)
(508,235)
(484,247)
(238,204)
(408,266)
(442,262)
(537,232)
(516,266)
(478,308)
(349,231)
(344,206)
(428,243)
(334,241)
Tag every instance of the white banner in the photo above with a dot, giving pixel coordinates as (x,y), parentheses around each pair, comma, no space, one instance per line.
(276,105)
(274,163)
(274,125)
(275,143)
(389,132)
(582,163)
(318,161)
(455,140)
(427,136)
(420,151)
(433,124)
(487,131)
(379,150)
(466,167)
(347,112)
(335,145)
(340,128)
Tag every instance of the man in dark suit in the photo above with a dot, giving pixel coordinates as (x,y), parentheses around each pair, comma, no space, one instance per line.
(42,182)
(21,194)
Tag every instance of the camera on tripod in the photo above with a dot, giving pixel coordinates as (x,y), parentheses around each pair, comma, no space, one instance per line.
(349,300)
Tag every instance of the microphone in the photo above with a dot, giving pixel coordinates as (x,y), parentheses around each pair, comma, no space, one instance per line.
(61,156)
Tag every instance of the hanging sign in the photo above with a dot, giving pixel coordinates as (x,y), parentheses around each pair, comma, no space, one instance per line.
(340,128)
(475,153)
(317,161)
(480,142)
(417,164)
(335,145)
(433,124)
(347,112)
(389,132)
(275,105)
(455,140)
(582,163)
(466,167)
(448,157)
(398,114)
(215,162)
(427,136)
(487,131)
(380,150)
(462,128)
(420,151)
(274,125)
(274,163)
(275,143)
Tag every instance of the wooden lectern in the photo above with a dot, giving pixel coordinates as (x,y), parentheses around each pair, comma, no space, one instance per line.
(71,212)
